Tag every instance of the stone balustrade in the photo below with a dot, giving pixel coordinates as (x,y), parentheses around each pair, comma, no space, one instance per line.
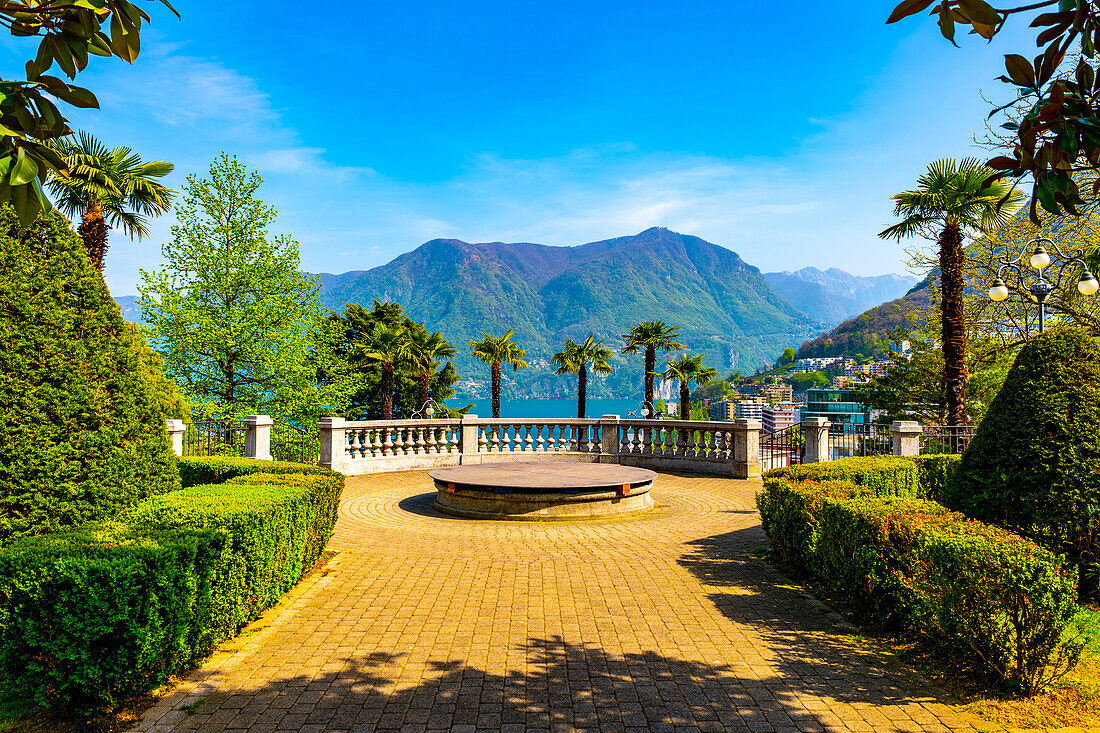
(714,447)
(358,447)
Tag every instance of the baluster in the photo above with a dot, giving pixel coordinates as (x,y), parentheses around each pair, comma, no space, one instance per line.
(356,445)
(482,442)
(494,440)
(452,441)
(540,446)
(387,442)
(712,444)
(624,441)
(528,443)
(421,444)
(551,437)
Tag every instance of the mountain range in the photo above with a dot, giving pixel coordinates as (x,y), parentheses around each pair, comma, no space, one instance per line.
(833,295)
(724,307)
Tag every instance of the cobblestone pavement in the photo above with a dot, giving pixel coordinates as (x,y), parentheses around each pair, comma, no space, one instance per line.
(666,622)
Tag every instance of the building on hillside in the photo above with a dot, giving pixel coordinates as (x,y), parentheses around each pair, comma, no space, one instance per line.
(721,410)
(752,409)
(815,363)
(841,407)
(775,393)
(779,417)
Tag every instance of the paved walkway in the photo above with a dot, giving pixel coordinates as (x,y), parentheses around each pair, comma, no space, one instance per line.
(660,623)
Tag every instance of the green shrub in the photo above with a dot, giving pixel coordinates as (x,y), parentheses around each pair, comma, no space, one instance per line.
(933,472)
(866,552)
(879,475)
(789,513)
(902,561)
(81,425)
(1033,466)
(93,615)
(216,469)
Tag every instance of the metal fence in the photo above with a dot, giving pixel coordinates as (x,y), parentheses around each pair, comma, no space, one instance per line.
(214,438)
(859,439)
(293,445)
(945,438)
(782,448)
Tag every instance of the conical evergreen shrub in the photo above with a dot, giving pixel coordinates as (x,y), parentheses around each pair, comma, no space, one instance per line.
(1034,465)
(81,419)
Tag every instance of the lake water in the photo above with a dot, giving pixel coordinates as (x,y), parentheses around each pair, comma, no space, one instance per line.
(526,409)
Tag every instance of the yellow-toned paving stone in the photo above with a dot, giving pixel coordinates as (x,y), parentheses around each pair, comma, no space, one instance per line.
(661,622)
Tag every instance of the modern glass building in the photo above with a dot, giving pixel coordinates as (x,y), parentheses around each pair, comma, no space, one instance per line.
(839,407)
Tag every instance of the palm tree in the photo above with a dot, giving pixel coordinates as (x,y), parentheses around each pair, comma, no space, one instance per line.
(651,335)
(577,358)
(688,369)
(952,200)
(494,351)
(426,349)
(108,186)
(390,347)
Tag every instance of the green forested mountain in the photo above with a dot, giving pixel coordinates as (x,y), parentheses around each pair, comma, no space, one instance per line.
(723,306)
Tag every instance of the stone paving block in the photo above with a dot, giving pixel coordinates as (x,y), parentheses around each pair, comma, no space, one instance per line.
(664,622)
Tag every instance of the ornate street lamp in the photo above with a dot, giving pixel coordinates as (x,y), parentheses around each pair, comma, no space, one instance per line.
(425,412)
(1041,289)
(645,409)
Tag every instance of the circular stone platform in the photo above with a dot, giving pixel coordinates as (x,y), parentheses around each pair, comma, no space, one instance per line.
(542,491)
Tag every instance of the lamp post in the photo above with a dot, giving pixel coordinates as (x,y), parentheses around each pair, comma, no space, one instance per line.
(426,411)
(1041,289)
(645,409)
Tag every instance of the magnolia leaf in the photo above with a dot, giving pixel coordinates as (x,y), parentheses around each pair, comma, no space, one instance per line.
(979,11)
(905,9)
(947,23)
(1020,70)
(24,170)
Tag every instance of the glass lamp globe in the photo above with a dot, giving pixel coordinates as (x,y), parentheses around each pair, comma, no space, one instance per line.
(429,411)
(999,291)
(1040,258)
(1088,283)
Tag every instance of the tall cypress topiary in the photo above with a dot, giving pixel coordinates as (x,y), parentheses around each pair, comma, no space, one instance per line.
(1034,465)
(81,421)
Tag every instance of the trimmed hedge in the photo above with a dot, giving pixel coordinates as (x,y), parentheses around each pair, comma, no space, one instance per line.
(933,473)
(900,561)
(1033,466)
(216,469)
(879,475)
(91,616)
(82,400)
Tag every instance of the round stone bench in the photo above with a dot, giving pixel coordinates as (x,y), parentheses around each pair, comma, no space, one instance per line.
(542,491)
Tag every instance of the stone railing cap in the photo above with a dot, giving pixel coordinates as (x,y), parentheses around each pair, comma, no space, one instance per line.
(256,420)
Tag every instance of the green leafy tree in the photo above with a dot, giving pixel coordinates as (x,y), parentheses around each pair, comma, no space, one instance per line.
(1055,132)
(950,200)
(687,369)
(651,336)
(578,359)
(82,401)
(29,118)
(787,357)
(357,382)
(495,351)
(235,320)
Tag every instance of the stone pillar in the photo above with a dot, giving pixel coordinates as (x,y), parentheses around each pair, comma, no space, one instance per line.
(257,437)
(334,452)
(467,446)
(816,432)
(176,429)
(609,439)
(906,435)
(746,448)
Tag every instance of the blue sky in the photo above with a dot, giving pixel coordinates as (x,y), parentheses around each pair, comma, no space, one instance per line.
(378,126)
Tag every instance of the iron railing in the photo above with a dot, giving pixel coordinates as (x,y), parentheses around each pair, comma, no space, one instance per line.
(782,448)
(945,438)
(214,438)
(847,440)
(293,445)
